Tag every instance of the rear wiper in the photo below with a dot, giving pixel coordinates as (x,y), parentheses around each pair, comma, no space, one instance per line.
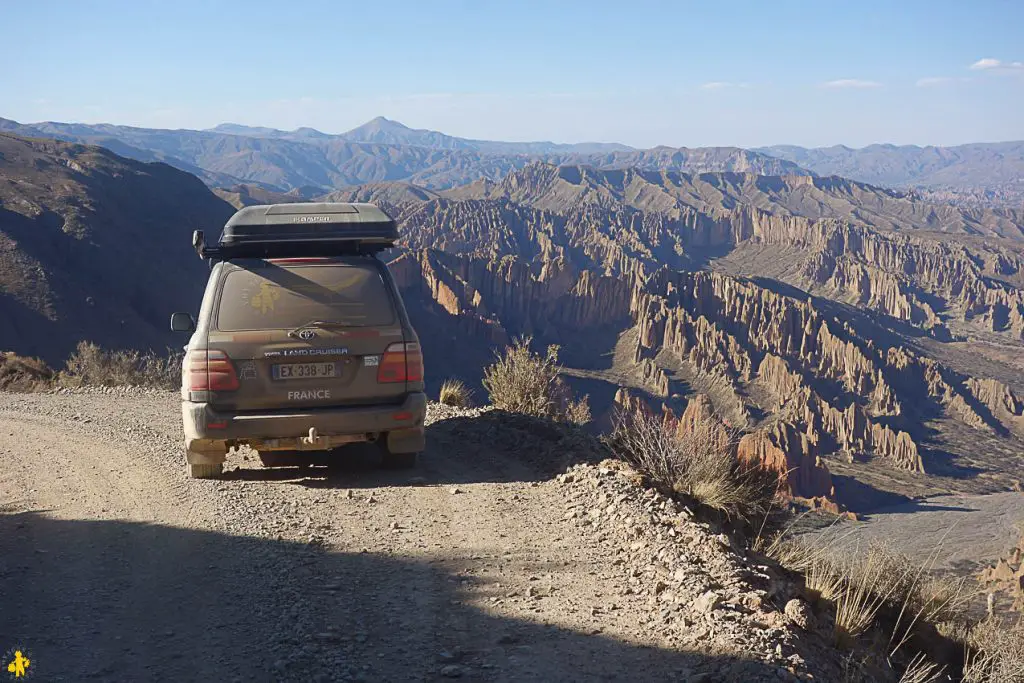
(315,323)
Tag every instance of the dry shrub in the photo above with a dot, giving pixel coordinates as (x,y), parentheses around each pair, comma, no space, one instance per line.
(18,373)
(865,589)
(995,652)
(882,592)
(699,462)
(824,582)
(920,670)
(90,365)
(455,393)
(521,381)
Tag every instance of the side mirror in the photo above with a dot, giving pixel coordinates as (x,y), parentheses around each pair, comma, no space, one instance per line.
(198,242)
(182,322)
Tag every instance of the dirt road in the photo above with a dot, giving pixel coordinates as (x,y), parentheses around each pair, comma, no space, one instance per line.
(958,534)
(114,566)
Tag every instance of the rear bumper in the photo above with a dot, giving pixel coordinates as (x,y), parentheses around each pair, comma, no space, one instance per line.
(208,431)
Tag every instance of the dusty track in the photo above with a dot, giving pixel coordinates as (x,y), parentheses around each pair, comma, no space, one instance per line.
(958,534)
(114,566)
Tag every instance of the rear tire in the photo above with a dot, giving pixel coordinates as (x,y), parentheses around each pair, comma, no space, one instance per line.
(398,461)
(205,471)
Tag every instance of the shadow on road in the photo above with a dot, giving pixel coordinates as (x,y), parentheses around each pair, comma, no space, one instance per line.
(126,601)
(863,498)
(919,506)
(495,447)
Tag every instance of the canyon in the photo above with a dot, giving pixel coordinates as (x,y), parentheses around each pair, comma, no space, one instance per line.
(862,341)
(810,330)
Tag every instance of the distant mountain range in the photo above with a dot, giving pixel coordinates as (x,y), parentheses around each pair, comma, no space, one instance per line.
(387,132)
(996,168)
(380,150)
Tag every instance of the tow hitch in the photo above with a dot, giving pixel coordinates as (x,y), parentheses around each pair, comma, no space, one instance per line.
(313,441)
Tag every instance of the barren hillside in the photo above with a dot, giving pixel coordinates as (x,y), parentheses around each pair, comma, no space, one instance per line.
(95,246)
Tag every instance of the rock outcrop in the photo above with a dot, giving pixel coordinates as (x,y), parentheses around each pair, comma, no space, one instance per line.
(720,324)
(785,450)
(997,396)
(556,252)
(1007,576)
(819,378)
(633,222)
(781,449)
(507,297)
(896,274)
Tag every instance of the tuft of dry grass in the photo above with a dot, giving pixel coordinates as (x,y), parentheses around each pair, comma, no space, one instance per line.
(863,594)
(90,365)
(455,393)
(521,381)
(994,652)
(882,594)
(920,670)
(22,374)
(824,582)
(699,462)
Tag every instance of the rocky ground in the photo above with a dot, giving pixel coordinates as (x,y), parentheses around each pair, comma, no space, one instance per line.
(488,562)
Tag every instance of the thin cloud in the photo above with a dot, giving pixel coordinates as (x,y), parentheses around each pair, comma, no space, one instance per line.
(722,85)
(991,64)
(851,83)
(933,81)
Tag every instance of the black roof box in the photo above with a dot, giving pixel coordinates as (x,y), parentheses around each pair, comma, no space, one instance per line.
(301,229)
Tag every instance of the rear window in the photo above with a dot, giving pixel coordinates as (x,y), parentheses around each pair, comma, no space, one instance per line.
(286,296)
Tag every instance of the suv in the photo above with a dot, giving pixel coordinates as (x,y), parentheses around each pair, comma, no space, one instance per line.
(303,342)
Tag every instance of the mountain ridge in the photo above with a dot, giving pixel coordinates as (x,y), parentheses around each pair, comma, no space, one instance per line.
(381,130)
(385,150)
(80,229)
(993,168)
(546,186)
(281,164)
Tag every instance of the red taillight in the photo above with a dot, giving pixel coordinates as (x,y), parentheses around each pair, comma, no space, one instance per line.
(413,363)
(211,370)
(402,362)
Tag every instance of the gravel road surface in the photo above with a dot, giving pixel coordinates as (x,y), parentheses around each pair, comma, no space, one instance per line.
(116,567)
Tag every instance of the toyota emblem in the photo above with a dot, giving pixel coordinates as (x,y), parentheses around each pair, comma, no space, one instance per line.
(307,334)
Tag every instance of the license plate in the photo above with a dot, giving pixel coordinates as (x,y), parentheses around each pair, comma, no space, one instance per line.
(305,370)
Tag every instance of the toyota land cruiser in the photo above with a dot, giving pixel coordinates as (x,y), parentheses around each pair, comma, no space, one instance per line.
(302,342)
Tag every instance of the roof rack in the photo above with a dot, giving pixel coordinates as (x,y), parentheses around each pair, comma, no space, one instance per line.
(301,230)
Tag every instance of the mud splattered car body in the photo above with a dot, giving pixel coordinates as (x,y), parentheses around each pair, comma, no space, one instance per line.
(302,342)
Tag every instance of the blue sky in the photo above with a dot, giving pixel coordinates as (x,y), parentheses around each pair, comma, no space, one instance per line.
(746,72)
